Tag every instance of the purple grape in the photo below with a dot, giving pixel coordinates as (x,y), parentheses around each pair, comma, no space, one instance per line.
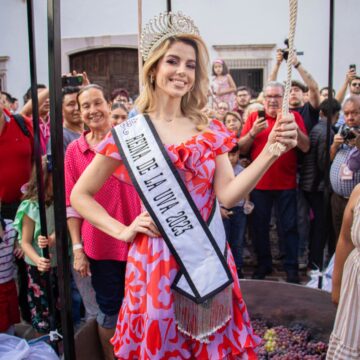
(282,343)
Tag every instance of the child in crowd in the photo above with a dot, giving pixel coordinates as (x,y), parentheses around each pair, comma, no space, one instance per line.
(222,86)
(233,122)
(119,113)
(27,224)
(9,306)
(234,219)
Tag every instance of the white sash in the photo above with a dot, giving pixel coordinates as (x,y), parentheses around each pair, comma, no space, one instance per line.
(198,248)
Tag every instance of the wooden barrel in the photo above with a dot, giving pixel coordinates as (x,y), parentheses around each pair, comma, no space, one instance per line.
(276,302)
(288,304)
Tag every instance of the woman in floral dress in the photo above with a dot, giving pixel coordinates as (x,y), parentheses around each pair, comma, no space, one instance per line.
(175,89)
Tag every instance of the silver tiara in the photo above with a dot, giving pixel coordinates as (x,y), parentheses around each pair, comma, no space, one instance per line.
(163,27)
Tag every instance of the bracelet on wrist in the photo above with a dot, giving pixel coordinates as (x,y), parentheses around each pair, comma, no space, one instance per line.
(297,65)
(77,247)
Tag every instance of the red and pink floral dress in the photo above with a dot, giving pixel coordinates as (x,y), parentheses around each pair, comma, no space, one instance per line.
(146,327)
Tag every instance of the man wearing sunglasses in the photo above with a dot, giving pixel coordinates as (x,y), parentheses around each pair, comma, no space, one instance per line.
(355,86)
(352,82)
(309,110)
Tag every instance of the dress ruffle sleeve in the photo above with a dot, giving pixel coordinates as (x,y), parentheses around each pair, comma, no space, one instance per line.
(222,139)
(29,208)
(108,148)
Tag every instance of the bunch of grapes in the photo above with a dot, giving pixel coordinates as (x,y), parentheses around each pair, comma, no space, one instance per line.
(282,343)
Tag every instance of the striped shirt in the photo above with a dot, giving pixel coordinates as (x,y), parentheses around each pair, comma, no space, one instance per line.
(340,186)
(7,267)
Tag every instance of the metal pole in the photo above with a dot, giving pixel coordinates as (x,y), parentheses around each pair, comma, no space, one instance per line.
(62,249)
(38,159)
(140,62)
(168,5)
(328,128)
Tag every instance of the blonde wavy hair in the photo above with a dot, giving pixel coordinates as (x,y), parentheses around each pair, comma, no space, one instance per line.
(194,101)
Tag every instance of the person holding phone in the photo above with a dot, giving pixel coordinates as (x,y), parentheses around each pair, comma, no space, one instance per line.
(278,184)
(351,82)
(258,125)
(44,113)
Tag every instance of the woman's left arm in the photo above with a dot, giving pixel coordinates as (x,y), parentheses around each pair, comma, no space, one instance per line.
(230,189)
(344,245)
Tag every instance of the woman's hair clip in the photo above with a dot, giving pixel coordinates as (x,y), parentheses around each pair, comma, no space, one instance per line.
(219,61)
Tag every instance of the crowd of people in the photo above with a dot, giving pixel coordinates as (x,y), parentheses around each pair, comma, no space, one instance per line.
(217,136)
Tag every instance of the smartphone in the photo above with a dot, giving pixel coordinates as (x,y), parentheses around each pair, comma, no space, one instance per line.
(352,67)
(76,80)
(261,114)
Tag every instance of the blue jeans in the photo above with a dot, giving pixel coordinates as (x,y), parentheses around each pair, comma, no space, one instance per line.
(235,228)
(76,301)
(108,281)
(318,234)
(303,219)
(286,204)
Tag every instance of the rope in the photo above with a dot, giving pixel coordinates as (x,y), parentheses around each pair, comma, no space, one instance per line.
(278,148)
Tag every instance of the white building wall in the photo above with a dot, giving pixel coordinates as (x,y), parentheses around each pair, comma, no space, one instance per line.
(94,23)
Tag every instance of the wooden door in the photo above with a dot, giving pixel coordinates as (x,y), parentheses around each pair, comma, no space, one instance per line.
(111,68)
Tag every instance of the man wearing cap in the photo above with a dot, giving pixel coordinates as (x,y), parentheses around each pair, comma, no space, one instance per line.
(308,110)
(310,113)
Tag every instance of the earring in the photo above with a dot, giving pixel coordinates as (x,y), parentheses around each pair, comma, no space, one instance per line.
(152,79)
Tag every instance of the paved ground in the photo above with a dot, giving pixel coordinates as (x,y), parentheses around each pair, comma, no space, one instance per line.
(278,273)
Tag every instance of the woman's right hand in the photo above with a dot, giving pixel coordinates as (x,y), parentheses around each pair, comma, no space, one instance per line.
(81,263)
(43,264)
(142,224)
(284,131)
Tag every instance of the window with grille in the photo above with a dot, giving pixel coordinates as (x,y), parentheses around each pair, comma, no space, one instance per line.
(253,78)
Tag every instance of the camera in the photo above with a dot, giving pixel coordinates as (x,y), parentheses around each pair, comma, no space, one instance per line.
(76,80)
(352,67)
(349,133)
(285,51)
